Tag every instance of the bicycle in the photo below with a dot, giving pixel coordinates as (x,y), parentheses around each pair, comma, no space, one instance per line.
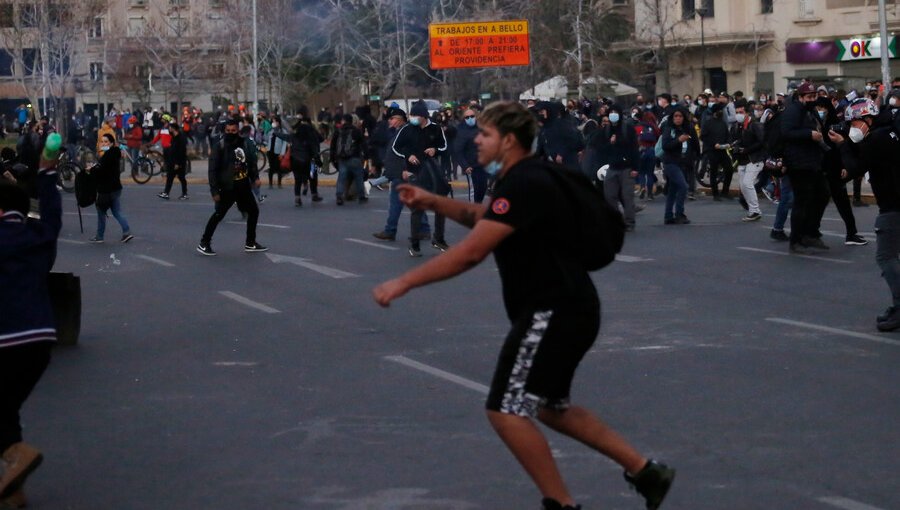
(702,171)
(141,167)
(66,171)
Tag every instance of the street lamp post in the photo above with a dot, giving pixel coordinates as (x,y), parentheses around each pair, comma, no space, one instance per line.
(702,13)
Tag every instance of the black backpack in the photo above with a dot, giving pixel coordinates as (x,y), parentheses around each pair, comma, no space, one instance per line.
(85,189)
(347,146)
(600,227)
(773,139)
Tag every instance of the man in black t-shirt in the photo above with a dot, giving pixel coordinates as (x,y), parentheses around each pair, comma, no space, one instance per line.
(549,297)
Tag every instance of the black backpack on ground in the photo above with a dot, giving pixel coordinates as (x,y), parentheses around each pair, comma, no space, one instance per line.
(85,189)
(600,227)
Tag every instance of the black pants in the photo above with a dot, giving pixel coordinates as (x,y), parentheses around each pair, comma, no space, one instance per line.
(838,190)
(171,174)
(21,368)
(479,184)
(719,160)
(810,191)
(857,188)
(274,167)
(243,196)
(300,169)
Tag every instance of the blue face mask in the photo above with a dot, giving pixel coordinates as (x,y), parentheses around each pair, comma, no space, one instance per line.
(493,168)
(614,117)
(470,122)
(415,121)
(822,115)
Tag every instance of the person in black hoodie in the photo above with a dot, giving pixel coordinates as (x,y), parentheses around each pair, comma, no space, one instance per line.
(176,162)
(877,150)
(348,152)
(558,141)
(715,137)
(618,148)
(803,154)
(680,150)
(109,189)
(304,146)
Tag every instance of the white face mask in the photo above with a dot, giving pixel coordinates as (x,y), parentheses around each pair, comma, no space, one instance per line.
(614,117)
(856,135)
(739,117)
(104,148)
(892,101)
(493,168)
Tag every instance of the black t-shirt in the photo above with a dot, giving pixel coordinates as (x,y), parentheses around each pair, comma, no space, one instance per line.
(536,261)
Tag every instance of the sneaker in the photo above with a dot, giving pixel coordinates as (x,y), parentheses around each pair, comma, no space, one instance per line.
(367,186)
(552,504)
(887,313)
(384,236)
(691,197)
(96,240)
(414,250)
(127,237)
(768,195)
(262,198)
(891,322)
(652,482)
(316,198)
(255,247)
(163,195)
(379,187)
(21,459)
(183,197)
(855,240)
(205,249)
(340,201)
(669,221)
(439,244)
(798,248)
(778,235)
(815,242)
(682,220)
(298,202)
(752,217)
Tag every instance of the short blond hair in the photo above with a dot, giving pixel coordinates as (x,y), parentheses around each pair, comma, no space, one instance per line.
(511,117)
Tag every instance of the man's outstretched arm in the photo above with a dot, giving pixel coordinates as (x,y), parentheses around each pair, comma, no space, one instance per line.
(466,214)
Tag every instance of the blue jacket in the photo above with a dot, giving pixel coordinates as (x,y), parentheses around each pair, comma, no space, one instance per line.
(27,253)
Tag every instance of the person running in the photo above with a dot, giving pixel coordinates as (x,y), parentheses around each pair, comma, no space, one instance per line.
(176,162)
(109,189)
(231,174)
(27,326)
(550,300)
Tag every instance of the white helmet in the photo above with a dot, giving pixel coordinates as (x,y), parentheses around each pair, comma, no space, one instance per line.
(601,173)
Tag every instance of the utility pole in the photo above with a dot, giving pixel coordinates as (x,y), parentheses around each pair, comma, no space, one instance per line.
(254,86)
(885,52)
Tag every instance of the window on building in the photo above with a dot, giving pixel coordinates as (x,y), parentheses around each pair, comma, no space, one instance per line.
(620,2)
(29,61)
(142,70)
(96,30)
(765,82)
(691,8)
(215,4)
(7,16)
(96,71)
(178,3)
(216,70)
(767,6)
(136,26)
(807,10)
(28,15)
(6,63)
(138,3)
(178,26)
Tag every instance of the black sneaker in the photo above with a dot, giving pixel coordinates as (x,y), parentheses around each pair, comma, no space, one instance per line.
(316,198)
(669,221)
(798,248)
(652,482)
(815,242)
(163,195)
(414,250)
(127,237)
(255,247)
(887,313)
(183,197)
(205,249)
(752,217)
(779,235)
(891,322)
(96,240)
(262,198)
(682,220)
(552,504)
(855,240)
(298,202)
(384,236)
(340,201)
(440,245)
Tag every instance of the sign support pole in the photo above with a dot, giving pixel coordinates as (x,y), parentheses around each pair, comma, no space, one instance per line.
(885,52)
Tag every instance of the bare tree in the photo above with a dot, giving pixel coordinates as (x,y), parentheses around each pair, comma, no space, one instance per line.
(660,20)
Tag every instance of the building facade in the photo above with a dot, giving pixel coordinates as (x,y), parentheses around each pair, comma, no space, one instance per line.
(761,45)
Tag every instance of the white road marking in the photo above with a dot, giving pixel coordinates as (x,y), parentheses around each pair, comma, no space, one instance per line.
(269,225)
(155,260)
(826,219)
(235,363)
(835,331)
(787,254)
(369,243)
(631,258)
(847,504)
(70,241)
(244,301)
(447,376)
(327,271)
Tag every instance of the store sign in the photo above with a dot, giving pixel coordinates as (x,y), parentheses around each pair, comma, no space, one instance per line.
(486,44)
(863,49)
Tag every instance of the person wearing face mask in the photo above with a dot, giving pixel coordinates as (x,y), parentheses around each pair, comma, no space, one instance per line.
(466,155)
(877,150)
(276,147)
(617,147)
(109,189)
(231,175)
(176,162)
(715,137)
(558,141)
(804,150)
(551,302)
(663,107)
(750,154)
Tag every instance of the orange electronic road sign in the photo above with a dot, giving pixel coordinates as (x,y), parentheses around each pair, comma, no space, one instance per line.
(483,44)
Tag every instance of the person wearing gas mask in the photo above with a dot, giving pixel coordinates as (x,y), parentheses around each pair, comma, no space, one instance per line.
(877,150)
(803,156)
(231,174)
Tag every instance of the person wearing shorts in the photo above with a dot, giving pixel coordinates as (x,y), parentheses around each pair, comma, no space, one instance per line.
(550,300)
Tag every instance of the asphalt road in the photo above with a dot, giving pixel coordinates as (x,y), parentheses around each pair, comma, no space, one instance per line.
(273,381)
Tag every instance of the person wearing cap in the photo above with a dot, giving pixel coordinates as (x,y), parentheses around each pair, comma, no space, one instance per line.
(804,151)
(348,151)
(873,149)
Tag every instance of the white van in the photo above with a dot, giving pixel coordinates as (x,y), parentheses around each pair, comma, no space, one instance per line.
(405,104)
